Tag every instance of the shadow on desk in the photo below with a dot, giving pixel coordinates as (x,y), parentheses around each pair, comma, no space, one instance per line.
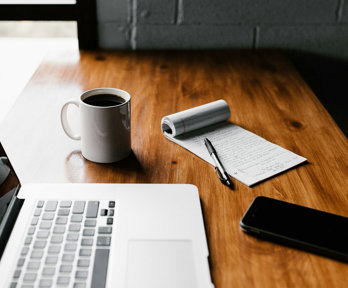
(328,78)
(78,169)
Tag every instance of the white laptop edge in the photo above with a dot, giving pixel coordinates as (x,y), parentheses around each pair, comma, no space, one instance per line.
(150,219)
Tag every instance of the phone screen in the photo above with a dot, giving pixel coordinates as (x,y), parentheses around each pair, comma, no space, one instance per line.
(316,230)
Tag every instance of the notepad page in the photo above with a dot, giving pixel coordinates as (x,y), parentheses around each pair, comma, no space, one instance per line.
(246,156)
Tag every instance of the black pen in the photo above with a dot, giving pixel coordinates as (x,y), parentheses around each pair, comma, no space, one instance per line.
(222,174)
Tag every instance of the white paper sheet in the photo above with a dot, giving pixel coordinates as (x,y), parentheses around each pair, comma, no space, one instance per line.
(246,157)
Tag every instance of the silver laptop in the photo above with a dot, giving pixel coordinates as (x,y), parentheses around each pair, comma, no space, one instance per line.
(100,235)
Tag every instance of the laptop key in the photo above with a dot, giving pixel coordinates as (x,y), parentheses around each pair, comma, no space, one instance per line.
(29,277)
(72,237)
(54,249)
(87,242)
(17,274)
(40,244)
(81,274)
(63,212)
(25,251)
(45,225)
(65,204)
(59,230)
(76,218)
(48,271)
(47,216)
(28,240)
(111,212)
(37,212)
(70,247)
(33,265)
(68,257)
(79,207)
(65,268)
(31,230)
(109,221)
(43,234)
(92,209)
(57,239)
(85,252)
(36,254)
(40,204)
(74,227)
(100,268)
(105,230)
(111,204)
(34,221)
(90,223)
(88,232)
(51,206)
(51,260)
(83,263)
(20,262)
(61,220)
(79,285)
(103,241)
(45,283)
(63,280)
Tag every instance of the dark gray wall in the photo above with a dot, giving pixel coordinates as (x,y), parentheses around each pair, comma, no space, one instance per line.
(319,26)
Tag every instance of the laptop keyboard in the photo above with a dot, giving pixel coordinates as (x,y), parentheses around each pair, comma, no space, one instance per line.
(67,245)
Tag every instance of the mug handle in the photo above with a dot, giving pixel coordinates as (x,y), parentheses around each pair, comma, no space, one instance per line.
(64,120)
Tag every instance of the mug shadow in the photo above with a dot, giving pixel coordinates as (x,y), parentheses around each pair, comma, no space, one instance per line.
(131,164)
(129,170)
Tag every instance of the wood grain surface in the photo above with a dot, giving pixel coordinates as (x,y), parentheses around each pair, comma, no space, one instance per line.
(266,95)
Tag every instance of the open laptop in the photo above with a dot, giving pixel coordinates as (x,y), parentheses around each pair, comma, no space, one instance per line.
(100,235)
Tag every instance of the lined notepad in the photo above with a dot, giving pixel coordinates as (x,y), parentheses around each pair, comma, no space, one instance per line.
(246,156)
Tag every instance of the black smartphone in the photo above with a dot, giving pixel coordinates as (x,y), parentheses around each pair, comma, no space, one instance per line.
(306,228)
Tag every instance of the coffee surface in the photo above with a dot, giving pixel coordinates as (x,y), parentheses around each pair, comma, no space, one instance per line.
(104,100)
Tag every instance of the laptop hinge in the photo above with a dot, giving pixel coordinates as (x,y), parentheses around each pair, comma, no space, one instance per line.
(9,219)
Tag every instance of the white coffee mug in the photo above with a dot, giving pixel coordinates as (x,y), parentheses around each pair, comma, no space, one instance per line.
(105,120)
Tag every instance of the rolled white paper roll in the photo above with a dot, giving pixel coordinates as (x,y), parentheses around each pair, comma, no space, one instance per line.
(195,118)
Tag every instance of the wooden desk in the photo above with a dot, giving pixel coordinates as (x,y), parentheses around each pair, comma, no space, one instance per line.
(266,96)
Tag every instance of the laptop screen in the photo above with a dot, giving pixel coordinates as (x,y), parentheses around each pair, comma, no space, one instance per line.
(8,182)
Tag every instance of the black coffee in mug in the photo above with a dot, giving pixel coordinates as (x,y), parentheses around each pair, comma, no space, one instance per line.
(104,100)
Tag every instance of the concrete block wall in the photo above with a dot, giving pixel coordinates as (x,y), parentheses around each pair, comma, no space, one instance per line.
(319,26)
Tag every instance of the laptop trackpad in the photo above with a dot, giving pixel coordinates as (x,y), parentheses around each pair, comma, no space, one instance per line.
(160,263)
